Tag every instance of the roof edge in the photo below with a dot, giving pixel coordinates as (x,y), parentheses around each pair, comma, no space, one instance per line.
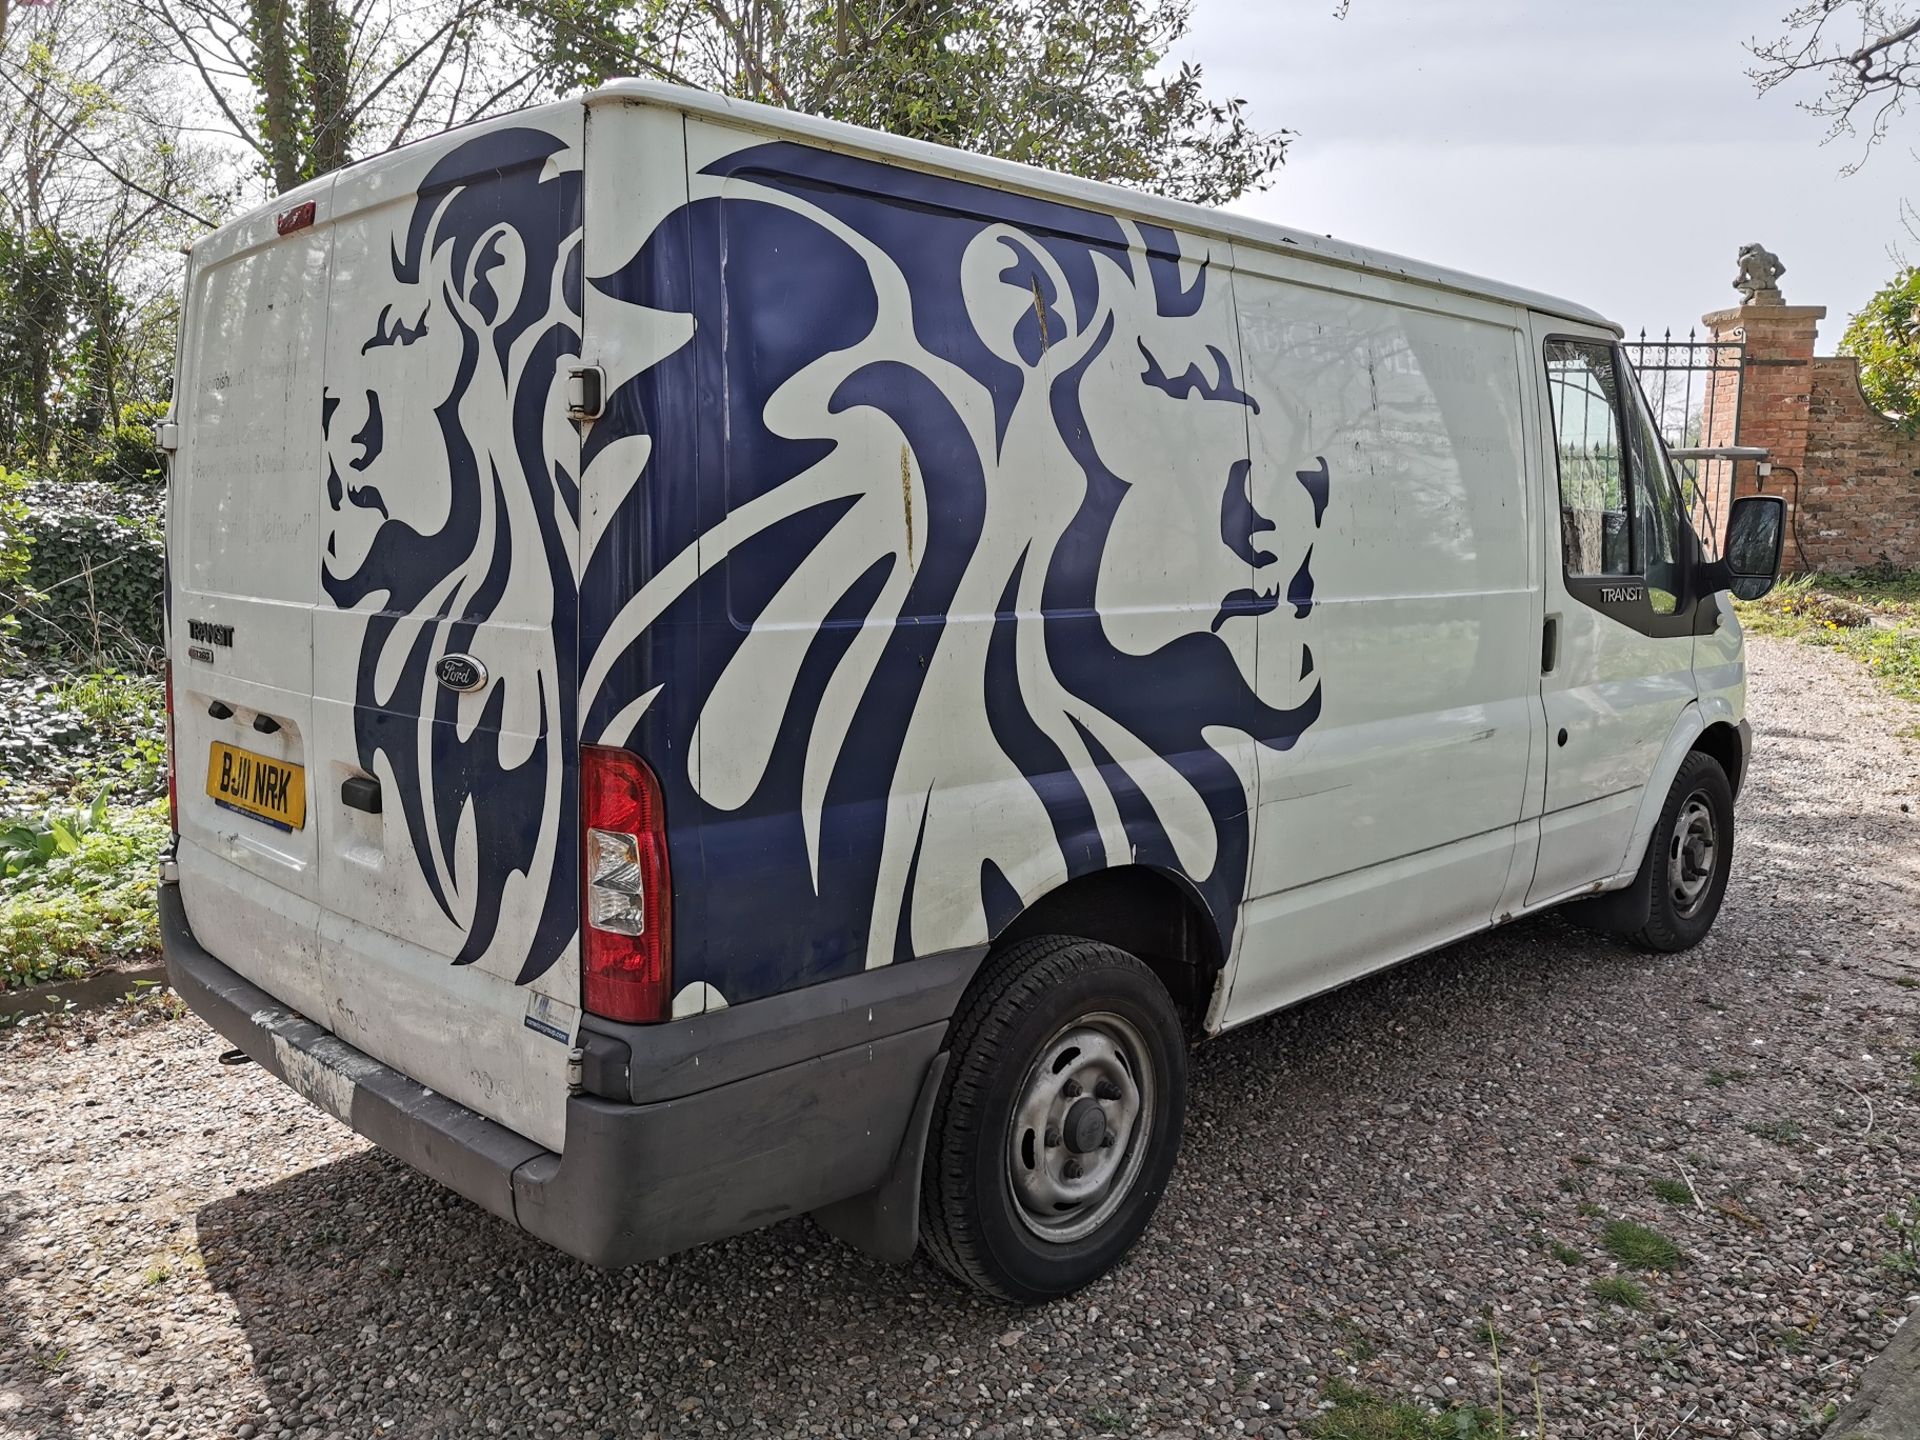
(963,164)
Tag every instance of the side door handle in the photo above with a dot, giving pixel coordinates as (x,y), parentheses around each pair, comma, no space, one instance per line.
(1550,645)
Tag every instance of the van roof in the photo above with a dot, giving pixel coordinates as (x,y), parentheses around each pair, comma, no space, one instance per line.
(1093,194)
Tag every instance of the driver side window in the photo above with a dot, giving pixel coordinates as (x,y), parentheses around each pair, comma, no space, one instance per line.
(1657,496)
(1583,385)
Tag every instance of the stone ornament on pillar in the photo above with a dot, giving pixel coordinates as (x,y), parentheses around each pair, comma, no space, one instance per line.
(1758,279)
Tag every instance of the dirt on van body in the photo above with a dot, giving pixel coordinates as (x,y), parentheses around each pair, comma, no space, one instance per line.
(1369,1181)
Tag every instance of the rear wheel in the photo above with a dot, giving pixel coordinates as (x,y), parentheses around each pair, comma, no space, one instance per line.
(1058,1121)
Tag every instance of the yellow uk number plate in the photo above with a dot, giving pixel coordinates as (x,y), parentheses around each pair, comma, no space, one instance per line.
(271,790)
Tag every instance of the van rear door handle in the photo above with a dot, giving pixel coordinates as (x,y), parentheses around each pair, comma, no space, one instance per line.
(360,792)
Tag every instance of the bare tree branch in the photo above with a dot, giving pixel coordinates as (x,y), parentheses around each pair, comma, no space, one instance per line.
(69,135)
(1866,52)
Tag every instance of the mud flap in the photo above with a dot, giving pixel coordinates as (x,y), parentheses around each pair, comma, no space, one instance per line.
(1618,912)
(885,1222)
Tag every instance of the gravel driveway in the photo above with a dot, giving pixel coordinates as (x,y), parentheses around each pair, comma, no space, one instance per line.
(189,1250)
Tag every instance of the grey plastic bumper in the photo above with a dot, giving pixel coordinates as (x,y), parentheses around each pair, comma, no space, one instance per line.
(840,1131)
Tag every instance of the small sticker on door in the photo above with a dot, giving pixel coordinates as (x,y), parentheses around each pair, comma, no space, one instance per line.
(552,1018)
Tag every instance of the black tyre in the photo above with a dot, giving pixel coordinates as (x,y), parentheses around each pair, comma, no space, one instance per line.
(1689,858)
(1058,1121)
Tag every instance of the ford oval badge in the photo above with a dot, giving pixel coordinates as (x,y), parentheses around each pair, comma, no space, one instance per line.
(460,672)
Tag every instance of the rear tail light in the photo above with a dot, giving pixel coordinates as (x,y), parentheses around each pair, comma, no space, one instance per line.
(173,788)
(626,903)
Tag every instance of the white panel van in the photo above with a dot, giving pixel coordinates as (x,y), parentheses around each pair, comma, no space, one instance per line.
(726,666)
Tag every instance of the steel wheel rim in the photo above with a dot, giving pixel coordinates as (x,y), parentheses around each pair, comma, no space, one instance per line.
(1693,855)
(1063,1187)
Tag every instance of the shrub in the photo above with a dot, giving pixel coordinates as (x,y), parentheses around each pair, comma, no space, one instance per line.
(128,455)
(85,906)
(1882,338)
(28,844)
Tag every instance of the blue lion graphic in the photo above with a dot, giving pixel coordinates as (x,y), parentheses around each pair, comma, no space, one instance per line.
(885,605)
(928,545)
(475,524)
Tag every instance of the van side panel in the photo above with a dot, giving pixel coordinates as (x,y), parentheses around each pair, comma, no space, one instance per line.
(1390,828)
(953,585)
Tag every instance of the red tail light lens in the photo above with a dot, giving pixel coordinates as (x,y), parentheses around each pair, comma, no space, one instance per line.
(626,892)
(173,788)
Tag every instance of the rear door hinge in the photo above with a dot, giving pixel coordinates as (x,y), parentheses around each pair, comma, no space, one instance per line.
(166,435)
(586,392)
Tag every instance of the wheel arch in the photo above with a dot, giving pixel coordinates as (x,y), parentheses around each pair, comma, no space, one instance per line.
(1154,914)
(1722,741)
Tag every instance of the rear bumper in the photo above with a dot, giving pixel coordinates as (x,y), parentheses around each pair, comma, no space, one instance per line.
(637,1181)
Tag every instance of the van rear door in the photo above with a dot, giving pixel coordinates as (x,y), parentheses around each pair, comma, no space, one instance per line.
(430,452)
(242,533)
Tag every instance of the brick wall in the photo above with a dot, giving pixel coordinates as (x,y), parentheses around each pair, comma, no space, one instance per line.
(1860,490)
(1851,479)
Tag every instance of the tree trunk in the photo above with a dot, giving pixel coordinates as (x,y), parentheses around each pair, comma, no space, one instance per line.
(279,105)
(328,90)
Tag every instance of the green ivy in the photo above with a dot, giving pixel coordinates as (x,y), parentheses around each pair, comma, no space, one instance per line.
(16,552)
(88,905)
(98,581)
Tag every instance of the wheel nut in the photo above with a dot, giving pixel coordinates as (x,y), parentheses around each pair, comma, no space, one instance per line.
(1107,1144)
(1071,1170)
(1107,1090)
(1070,1089)
(1053,1136)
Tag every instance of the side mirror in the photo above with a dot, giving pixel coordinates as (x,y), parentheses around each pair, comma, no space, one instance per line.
(1756,534)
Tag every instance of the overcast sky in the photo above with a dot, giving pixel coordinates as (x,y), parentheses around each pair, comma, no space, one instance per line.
(1613,152)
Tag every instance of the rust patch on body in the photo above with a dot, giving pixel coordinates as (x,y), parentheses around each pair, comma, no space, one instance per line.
(906,497)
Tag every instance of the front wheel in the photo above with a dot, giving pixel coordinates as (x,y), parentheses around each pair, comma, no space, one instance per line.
(1058,1121)
(1689,857)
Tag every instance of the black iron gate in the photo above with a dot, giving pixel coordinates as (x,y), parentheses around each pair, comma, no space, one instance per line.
(1693,387)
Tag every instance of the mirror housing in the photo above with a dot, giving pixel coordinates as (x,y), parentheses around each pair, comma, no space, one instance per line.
(1756,536)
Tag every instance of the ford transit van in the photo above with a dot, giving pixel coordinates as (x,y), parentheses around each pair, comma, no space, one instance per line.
(726,666)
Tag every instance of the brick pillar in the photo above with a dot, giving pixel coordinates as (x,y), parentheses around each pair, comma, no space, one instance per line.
(1776,392)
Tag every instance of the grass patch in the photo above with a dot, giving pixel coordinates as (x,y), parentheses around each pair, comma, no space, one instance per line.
(1873,616)
(1674,1192)
(90,902)
(1360,1343)
(1717,1078)
(1619,1290)
(1358,1414)
(1564,1253)
(1640,1246)
(1780,1132)
(1905,1229)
